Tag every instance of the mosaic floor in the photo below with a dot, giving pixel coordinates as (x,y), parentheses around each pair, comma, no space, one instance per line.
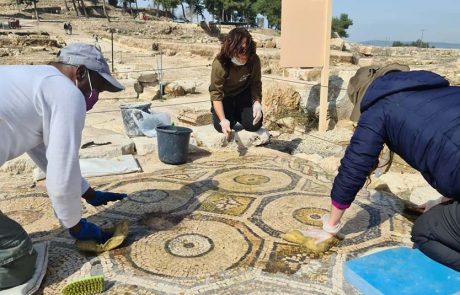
(213,227)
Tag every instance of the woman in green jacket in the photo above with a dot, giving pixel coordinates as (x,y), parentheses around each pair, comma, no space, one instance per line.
(236,86)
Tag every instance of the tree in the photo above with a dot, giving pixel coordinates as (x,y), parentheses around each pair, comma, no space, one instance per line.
(81,3)
(75,7)
(31,2)
(169,5)
(341,24)
(183,11)
(195,7)
(271,9)
(105,11)
(231,10)
(419,43)
(66,5)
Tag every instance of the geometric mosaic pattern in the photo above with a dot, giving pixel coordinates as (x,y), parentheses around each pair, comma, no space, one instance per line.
(213,227)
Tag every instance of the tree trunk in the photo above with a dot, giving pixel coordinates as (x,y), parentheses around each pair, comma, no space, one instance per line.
(17,6)
(158,8)
(84,7)
(75,7)
(183,10)
(66,6)
(137,9)
(36,11)
(105,11)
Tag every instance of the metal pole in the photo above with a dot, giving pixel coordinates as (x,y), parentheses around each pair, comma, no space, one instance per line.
(161,74)
(111,31)
(324,91)
(421,38)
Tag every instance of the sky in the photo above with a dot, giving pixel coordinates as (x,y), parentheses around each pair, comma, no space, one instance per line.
(401,20)
(395,20)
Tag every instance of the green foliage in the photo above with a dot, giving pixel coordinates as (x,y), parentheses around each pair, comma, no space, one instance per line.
(419,43)
(168,4)
(341,24)
(231,10)
(196,6)
(113,3)
(271,9)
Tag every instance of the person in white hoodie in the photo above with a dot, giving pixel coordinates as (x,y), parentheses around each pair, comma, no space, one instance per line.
(42,113)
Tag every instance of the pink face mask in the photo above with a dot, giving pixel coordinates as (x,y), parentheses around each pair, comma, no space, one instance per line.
(93,96)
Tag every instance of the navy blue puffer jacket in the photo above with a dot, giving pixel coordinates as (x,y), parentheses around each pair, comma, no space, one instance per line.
(417,114)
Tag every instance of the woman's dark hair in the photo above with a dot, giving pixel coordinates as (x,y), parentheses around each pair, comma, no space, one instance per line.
(233,44)
(386,165)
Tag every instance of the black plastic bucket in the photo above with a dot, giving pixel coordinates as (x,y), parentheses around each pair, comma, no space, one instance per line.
(173,144)
(127,111)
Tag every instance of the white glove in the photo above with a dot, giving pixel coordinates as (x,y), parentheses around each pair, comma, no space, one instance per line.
(333,230)
(321,235)
(225,124)
(431,203)
(256,112)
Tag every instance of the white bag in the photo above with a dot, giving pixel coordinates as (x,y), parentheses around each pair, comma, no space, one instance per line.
(148,123)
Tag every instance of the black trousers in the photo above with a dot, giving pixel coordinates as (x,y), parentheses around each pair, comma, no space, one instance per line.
(15,244)
(238,109)
(437,234)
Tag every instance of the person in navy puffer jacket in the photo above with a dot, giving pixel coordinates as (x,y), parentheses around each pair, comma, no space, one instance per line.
(417,115)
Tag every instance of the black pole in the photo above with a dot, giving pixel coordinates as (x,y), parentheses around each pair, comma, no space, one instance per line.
(111,31)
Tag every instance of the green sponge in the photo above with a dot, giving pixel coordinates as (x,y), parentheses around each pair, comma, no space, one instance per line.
(85,286)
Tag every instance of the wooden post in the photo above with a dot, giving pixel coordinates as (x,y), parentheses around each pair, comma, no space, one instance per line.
(324,91)
(111,33)
(35,9)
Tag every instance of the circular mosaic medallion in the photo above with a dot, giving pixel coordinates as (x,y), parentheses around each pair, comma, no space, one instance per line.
(280,214)
(189,245)
(249,180)
(35,213)
(150,195)
(310,216)
(195,248)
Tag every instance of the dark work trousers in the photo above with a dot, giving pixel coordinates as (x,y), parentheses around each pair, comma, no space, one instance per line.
(238,109)
(437,234)
(17,256)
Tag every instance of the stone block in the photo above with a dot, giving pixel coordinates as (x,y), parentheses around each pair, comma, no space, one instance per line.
(365,61)
(207,137)
(195,117)
(145,145)
(102,143)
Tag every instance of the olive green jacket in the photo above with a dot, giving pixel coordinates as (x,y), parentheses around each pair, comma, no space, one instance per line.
(238,79)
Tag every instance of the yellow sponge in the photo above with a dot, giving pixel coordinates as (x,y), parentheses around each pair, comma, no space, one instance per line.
(120,232)
(296,237)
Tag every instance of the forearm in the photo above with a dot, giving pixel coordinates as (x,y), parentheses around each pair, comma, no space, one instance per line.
(445,199)
(219,109)
(89,194)
(336,215)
